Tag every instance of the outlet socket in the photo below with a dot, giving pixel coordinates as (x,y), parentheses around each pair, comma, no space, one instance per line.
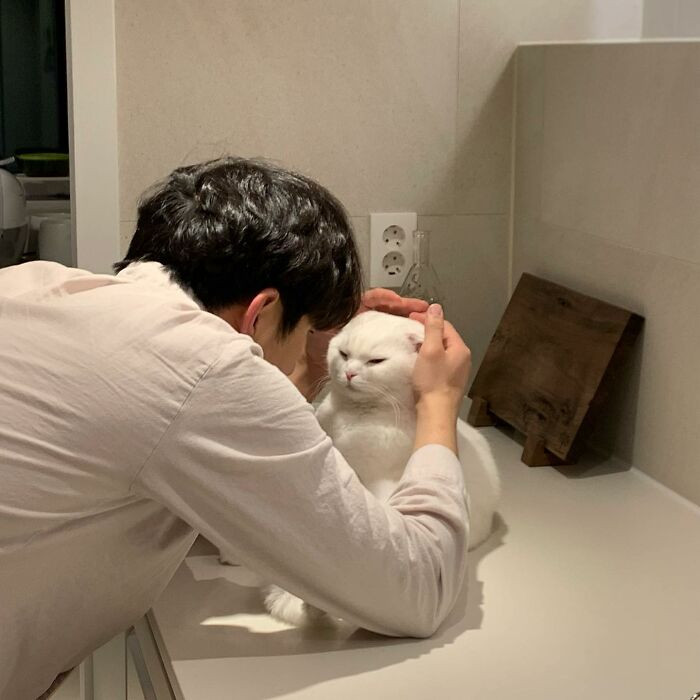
(391,248)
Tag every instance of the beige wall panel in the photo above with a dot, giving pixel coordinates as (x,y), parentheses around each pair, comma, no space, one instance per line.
(621,151)
(561,234)
(360,95)
(489,34)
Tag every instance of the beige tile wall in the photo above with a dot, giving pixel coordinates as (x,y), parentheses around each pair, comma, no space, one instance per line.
(671,18)
(360,95)
(408,105)
(395,105)
(489,33)
(607,178)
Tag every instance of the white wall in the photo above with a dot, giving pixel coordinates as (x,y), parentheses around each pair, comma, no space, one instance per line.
(92,119)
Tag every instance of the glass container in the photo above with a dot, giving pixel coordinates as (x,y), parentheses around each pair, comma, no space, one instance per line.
(422,281)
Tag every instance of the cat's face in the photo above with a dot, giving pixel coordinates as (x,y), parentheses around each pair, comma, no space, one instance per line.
(373,357)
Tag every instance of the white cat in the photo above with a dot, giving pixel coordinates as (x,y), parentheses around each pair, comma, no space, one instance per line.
(369,412)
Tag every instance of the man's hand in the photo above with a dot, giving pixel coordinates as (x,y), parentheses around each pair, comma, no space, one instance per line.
(439,379)
(444,361)
(391,303)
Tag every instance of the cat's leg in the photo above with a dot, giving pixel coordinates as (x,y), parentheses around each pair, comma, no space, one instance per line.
(223,559)
(283,606)
(293,610)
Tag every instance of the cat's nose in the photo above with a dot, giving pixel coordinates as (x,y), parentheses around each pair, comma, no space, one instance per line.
(350,375)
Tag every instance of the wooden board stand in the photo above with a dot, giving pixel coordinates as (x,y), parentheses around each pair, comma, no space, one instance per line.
(550,366)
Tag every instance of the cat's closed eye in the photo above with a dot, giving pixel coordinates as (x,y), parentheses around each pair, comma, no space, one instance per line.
(376,361)
(344,355)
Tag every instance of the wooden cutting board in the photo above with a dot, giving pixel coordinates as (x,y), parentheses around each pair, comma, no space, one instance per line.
(550,366)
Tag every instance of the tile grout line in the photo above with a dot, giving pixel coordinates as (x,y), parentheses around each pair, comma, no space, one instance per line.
(615,244)
(442,215)
(457,104)
(622,41)
(511,204)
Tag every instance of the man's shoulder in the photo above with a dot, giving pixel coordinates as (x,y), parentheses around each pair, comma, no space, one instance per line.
(149,313)
(143,325)
(166,333)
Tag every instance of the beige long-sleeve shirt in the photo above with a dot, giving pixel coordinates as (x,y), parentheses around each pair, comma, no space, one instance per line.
(130,420)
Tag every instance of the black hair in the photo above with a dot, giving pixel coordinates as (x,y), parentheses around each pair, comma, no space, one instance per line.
(228,228)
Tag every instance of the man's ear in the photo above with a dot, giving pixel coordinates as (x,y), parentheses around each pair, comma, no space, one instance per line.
(416,340)
(255,308)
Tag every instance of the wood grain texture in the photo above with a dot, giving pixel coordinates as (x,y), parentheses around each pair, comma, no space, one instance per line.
(479,415)
(550,365)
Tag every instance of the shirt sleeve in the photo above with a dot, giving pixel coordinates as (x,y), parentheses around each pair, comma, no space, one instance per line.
(246,464)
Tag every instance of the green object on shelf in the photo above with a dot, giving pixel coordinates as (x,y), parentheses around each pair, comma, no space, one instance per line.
(43,164)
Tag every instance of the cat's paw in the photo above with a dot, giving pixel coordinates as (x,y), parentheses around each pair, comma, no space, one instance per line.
(288,608)
(225,561)
(284,606)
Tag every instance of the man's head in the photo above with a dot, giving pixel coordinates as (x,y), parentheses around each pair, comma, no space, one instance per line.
(270,251)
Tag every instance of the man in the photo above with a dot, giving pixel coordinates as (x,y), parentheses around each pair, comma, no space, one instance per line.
(140,409)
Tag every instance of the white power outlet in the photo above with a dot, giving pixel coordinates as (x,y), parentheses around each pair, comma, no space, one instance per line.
(390,248)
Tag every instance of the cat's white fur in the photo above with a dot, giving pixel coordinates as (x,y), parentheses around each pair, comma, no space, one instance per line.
(369,412)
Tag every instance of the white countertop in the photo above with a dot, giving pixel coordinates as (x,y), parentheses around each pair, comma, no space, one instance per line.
(588,589)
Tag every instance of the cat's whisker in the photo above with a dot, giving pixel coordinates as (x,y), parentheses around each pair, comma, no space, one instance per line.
(319,384)
(391,399)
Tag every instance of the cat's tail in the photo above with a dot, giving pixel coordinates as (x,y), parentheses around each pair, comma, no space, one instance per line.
(483,483)
(294,611)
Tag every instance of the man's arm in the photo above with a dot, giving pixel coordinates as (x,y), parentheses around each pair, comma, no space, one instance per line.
(246,464)
(439,378)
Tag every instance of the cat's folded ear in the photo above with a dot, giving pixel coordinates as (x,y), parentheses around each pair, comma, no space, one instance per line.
(416,340)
